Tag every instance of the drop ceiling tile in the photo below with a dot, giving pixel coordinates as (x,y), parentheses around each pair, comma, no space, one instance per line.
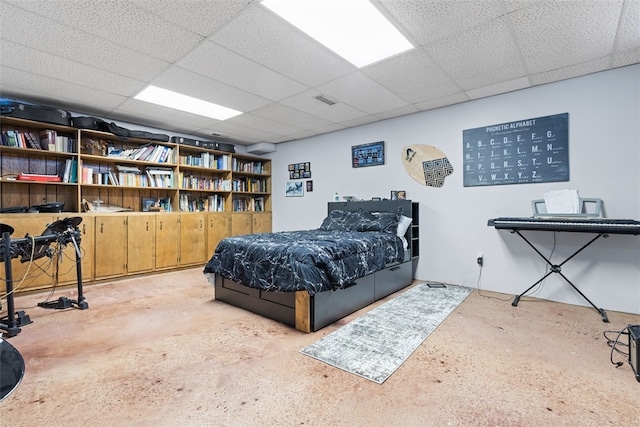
(264,125)
(221,64)
(66,42)
(570,71)
(427,21)
(455,98)
(318,131)
(413,76)
(359,121)
(307,103)
(482,56)
(627,57)
(359,91)
(502,87)
(265,38)
(201,17)
(629,32)
(31,60)
(556,34)
(402,111)
(189,83)
(162,117)
(57,92)
(128,25)
(244,134)
(285,114)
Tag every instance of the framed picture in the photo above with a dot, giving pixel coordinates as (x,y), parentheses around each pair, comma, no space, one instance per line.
(398,195)
(147,203)
(294,189)
(299,170)
(309,186)
(371,154)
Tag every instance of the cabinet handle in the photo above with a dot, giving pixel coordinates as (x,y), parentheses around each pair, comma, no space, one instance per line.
(84,228)
(102,227)
(201,225)
(147,225)
(394,268)
(160,225)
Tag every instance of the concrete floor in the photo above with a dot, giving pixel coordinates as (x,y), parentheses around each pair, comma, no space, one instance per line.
(159,351)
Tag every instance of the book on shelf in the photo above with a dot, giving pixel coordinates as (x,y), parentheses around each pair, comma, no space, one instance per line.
(258,204)
(87,175)
(128,169)
(11,138)
(30,140)
(113,179)
(48,139)
(39,177)
(66,176)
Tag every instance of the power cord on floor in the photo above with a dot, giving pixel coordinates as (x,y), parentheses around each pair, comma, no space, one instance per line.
(615,343)
(480,290)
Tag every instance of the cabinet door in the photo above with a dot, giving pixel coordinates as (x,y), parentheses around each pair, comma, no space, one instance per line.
(67,269)
(29,275)
(167,240)
(192,238)
(110,246)
(261,222)
(87,246)
(141,243)
(241,223)
(218,227)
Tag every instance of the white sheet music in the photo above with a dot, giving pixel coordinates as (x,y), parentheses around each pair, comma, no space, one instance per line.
(562,202)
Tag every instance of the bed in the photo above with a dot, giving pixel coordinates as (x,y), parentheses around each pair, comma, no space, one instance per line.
(309,279)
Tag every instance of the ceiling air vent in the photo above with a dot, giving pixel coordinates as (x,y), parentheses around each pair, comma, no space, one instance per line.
(325,99)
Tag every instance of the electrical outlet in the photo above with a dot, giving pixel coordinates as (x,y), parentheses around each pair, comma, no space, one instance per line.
(480,260)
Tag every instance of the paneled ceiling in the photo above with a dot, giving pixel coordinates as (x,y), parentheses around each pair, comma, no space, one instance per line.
(93,56)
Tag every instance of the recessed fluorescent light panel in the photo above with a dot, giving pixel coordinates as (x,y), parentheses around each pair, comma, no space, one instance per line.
(354,29)
(178,101)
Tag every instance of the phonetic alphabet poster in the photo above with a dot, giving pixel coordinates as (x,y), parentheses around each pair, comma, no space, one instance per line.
(524,151)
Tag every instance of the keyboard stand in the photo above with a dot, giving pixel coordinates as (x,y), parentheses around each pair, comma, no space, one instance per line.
(557,268)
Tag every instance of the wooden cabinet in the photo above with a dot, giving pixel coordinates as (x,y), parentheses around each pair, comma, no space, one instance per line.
(192,238)
(141,243)
(110,246)
(218,227)
(241,223)
(261,222)
(167,240)
(87,247)
(28,275)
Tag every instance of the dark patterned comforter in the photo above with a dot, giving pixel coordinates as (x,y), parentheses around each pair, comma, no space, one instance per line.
(311,260)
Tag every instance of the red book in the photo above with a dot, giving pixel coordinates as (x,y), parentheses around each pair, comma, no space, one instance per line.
(38,177)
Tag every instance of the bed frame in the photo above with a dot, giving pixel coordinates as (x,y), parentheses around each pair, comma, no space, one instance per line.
(309,313)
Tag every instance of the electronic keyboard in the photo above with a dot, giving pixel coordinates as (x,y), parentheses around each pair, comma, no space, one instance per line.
(581,225)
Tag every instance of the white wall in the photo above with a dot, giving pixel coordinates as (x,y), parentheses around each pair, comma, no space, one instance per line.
(604,151)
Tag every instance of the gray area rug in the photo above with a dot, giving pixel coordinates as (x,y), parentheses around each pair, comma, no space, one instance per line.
(377,343)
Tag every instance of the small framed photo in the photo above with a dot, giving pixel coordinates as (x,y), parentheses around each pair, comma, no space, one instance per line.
(148,203)
(309,186)
(294,189)
(398,195)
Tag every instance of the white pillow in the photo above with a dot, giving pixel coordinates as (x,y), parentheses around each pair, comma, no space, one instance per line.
(403,225)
